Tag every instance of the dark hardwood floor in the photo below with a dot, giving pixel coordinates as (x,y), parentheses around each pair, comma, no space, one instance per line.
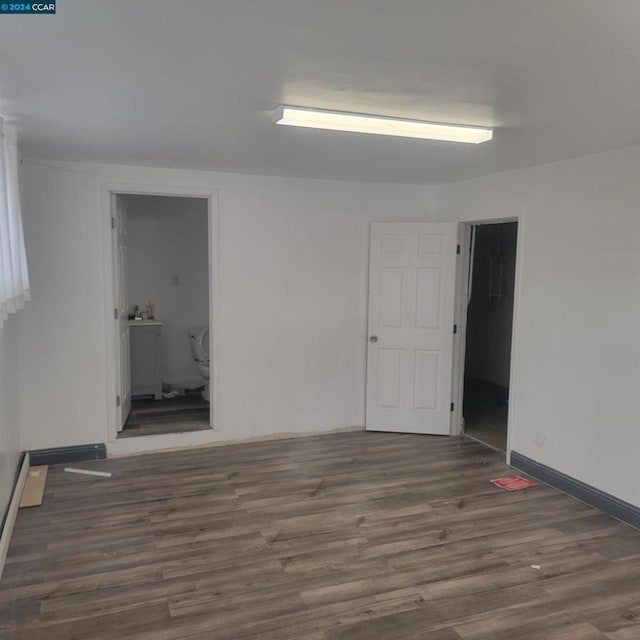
(486,413)
(344,537)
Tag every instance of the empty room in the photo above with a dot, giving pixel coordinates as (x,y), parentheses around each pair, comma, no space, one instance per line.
(318,320)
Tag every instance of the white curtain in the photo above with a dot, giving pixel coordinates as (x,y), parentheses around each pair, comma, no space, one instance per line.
(14,278)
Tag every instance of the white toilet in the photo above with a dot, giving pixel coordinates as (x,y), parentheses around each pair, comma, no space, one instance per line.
(199,341)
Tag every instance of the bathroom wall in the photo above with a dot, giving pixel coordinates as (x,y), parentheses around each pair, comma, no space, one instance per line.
(9,408)
(168,263)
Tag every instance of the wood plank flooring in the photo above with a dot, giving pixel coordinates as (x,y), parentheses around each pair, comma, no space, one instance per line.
(343,537)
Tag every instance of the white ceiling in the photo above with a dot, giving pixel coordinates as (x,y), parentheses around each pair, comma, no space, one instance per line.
(192,83)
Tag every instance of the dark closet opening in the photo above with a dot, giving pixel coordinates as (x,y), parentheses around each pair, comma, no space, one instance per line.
(489,328)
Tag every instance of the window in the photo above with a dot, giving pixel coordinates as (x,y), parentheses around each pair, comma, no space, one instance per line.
(14,278)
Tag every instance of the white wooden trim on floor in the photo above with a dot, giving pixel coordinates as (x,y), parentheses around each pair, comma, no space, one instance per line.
(179,441)
(12,511)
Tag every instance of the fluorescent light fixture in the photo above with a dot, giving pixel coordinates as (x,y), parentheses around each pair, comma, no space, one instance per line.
(379,125)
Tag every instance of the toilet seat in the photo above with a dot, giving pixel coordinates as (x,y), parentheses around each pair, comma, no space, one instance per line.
(199,343)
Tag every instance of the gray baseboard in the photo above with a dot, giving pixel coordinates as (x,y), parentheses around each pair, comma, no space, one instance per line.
(599,499)
(62,455)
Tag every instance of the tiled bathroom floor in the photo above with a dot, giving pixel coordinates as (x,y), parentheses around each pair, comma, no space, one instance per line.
(173,415)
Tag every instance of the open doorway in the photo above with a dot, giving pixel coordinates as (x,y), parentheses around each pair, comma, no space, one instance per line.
(490,306)
(161,289)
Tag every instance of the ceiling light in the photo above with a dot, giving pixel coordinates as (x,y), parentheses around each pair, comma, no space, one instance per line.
(379,125)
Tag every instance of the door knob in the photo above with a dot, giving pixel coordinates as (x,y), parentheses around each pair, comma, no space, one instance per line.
(373,339)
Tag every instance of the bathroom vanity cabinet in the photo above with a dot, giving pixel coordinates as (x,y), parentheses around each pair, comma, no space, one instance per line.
(145,339)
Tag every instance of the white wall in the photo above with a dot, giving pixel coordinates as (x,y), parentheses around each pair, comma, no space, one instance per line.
(63,374)
(168,263)
(577,347)
(292,298)
(9,422)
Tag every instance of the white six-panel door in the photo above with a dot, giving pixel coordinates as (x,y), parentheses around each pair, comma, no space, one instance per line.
(412,274)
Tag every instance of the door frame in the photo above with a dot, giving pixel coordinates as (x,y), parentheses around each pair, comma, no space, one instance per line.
(459,348)
(116,237)
(109,193)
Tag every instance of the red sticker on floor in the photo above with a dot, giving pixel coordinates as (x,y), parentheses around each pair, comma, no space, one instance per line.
(514,483)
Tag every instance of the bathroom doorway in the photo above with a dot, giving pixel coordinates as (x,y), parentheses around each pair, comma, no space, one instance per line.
(489,325)
(161,261)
